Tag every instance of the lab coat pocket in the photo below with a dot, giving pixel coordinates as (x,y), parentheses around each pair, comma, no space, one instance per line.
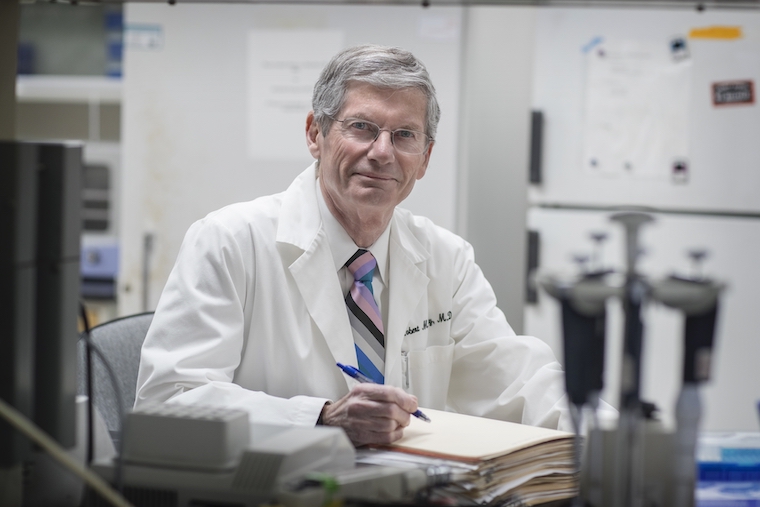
(427,373)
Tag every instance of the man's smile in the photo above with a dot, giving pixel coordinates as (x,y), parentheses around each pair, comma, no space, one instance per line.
(374,176)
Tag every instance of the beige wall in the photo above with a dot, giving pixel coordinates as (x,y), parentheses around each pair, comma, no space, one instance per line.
(496,99)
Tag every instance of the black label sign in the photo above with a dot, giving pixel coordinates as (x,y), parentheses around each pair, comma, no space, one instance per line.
(428,323)
(733,92)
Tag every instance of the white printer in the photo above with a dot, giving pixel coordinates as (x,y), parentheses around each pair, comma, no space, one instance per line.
(195,456)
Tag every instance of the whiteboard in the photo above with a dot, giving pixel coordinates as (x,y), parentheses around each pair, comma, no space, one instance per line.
(186,127)
(723,153)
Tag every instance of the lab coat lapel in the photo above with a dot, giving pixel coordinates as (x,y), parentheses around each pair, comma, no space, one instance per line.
(312,266)
(407,285)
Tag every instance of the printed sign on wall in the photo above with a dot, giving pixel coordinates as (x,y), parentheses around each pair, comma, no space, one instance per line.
(283,66)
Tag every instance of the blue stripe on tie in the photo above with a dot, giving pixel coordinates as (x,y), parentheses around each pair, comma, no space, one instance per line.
(367,367)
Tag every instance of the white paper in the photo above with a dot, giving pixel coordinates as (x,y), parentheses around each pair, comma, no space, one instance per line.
(283,66)
(636,121)
(402,459)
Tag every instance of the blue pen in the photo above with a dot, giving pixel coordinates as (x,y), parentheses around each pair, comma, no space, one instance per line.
(361,377)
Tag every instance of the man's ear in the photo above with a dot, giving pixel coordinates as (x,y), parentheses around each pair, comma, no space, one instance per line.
(423,167)
(312,135)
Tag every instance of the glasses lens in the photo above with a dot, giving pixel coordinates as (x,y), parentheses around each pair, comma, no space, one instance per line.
(359,130)
(409,141)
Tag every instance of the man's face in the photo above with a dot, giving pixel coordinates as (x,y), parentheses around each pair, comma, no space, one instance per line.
(363,179)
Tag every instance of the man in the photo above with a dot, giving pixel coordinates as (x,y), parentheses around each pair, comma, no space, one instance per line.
(266,296)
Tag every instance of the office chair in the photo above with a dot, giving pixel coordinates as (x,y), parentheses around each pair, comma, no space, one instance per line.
(120,341)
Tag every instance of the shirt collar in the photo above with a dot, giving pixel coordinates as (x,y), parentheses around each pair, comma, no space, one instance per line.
(343,247)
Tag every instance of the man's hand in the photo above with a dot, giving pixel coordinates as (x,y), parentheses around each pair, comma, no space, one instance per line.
(371,413)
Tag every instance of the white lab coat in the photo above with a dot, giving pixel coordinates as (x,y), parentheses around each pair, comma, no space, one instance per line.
(252,316)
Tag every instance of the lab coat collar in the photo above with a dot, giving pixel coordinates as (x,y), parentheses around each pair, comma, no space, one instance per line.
(311,266)
(299,215)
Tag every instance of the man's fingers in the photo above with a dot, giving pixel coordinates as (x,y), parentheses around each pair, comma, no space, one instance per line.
(388,394)
(381,422)
(371,413)
(377,415)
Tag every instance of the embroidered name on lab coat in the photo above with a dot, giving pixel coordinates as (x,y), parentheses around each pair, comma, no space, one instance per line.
(427,323)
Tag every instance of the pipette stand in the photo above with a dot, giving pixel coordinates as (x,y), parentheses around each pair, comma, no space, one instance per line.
(639,463)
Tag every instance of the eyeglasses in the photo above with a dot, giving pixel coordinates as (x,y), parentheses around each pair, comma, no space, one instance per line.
(406,141)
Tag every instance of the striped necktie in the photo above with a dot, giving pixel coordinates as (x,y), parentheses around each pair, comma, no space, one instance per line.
(366,322)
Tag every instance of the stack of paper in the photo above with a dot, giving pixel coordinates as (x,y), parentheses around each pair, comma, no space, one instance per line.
(491,460)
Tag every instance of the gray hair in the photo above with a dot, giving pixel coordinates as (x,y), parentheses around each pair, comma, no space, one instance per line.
(380,66)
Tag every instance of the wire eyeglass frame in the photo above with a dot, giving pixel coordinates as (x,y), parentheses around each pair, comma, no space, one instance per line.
(351,129)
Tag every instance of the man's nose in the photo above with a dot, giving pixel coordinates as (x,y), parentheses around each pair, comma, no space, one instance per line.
(382,149)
